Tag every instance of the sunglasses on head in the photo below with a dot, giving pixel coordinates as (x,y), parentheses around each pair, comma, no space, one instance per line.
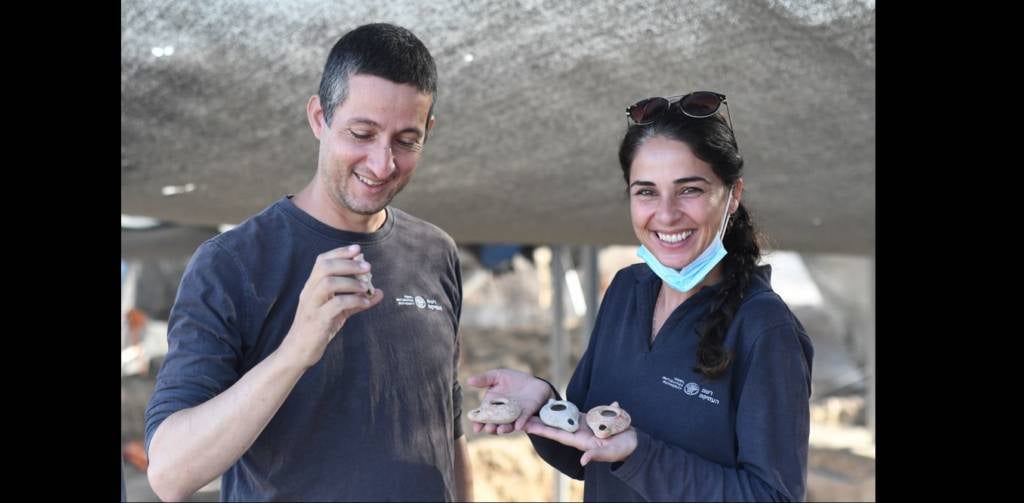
(699,105)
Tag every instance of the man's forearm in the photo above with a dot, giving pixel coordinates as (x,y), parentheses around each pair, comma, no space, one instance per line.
(193,446)
(463,471)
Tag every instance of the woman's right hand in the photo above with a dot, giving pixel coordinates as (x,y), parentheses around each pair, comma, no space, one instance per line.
(529,392)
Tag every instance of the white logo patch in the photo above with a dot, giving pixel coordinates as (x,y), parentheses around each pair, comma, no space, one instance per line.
(690,389)
(418,301)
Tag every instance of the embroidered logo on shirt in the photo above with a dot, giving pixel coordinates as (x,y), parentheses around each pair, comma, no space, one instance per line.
(691,389)
(418,301)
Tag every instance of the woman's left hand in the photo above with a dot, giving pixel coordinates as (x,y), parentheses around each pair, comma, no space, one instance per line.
(617,447)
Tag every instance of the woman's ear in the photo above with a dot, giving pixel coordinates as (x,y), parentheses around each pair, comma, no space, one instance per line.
(737,194)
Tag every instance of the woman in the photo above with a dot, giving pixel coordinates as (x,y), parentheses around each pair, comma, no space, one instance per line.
(712,366)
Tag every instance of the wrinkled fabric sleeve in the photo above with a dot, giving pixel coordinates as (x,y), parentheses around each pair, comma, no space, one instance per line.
(203,335)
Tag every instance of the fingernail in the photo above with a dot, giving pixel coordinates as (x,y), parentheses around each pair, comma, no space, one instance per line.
(364,266)
(353,247)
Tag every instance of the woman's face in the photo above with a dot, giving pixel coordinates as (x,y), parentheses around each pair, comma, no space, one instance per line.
(676,201)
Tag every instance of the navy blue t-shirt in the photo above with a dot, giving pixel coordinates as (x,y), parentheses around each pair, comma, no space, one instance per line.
(739,437)
(377,417)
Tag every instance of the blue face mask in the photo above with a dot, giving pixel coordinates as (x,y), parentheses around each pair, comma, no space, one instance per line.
(688,277)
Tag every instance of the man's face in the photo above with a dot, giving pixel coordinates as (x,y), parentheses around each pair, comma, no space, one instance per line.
(373,144)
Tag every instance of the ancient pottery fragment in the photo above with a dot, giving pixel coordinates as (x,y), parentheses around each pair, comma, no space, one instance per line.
(607,420)
(496,410)
(561,414)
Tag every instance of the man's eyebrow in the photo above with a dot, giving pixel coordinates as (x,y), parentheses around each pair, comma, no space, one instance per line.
(363,120)
(370,122)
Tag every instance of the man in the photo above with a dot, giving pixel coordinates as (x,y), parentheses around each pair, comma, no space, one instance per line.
(284,372)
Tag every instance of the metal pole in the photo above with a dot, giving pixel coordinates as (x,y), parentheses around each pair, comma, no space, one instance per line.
(557,342)
(558,312)
(590,284)
(870,346)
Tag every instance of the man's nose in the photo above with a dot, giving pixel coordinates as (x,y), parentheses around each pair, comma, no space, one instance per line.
(382,162)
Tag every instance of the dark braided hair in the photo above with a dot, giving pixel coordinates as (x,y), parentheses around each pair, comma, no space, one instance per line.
(712,141)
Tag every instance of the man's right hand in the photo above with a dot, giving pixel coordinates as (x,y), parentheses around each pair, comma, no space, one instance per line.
(331,295)
(531,394)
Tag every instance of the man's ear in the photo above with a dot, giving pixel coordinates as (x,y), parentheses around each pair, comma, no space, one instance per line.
(430,125)
(315,115)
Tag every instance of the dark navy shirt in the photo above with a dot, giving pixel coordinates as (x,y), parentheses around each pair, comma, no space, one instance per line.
(739,437)
(377,417)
